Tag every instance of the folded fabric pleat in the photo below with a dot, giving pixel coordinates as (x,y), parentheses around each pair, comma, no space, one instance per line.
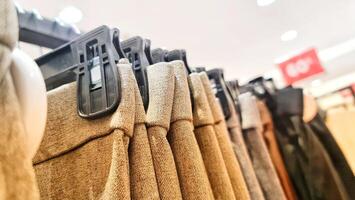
(142,176)
(225,144)
(241,152)
(262,163)
(86,159)
(267,130)
(161,92)
(208,143)
(189,163)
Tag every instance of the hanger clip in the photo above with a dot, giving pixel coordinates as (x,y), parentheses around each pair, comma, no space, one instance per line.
(90,60)
(135,51)
(218,84)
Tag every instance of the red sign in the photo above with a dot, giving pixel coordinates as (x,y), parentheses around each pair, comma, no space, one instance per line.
(301,66)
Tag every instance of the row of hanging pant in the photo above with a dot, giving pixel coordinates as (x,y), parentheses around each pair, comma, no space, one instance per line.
(182,147)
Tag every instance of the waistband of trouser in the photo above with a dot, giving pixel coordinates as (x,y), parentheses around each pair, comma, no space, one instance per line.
(215,106)
(250,112)
(66,130)
(202,114)
(182,107)
(161,93)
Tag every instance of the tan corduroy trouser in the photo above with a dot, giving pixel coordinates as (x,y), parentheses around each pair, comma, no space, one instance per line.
(189,163)
(275,154)
(234,171)
(241,152)
(142,176)
(16,174)
(86,159)
(161,92)
(208,143)
(262,163)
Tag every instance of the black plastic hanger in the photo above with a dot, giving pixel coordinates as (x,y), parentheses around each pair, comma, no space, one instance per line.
(134,48)
(221,91)
(233,85)
(179,54)
(261,90)
(199,69)
(159,55)
(90,60)
(270,85)
(147,50)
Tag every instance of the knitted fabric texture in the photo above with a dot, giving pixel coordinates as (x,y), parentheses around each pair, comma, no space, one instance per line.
(267,128)
(225,144)
(142,176)
(86,159)
(161,92)
(208,143)
(241,152)
(17,174)
(263,166)
(189,163)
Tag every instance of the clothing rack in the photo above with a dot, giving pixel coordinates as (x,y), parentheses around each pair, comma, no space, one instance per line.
(35,29)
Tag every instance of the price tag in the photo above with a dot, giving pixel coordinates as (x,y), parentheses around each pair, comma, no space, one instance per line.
(301,66)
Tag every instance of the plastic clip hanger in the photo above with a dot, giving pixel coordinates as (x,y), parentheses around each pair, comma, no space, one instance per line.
(147,50)
(134,48)
(159,55)
(270,85)
(179,54)
(233,86)
(218,84)
(199,69)
(261,90)
(90,60)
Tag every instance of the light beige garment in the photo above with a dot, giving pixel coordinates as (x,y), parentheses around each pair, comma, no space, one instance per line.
(142,176)
(161,92)
(225,144)
(17,179)
(208,143)
(86,159)
(189,163)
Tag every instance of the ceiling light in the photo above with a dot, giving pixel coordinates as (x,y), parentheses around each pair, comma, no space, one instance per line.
(70,15)
(289,35)
(264,2)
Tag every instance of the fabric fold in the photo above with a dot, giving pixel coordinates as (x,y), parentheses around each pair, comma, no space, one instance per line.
(208,143)
(86,159)
(262,163)
(143,183)
(234,171)
(267,128)
(161,93)
(189,163)
(241,152)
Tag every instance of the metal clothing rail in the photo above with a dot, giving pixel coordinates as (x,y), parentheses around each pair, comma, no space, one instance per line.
(43,32)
